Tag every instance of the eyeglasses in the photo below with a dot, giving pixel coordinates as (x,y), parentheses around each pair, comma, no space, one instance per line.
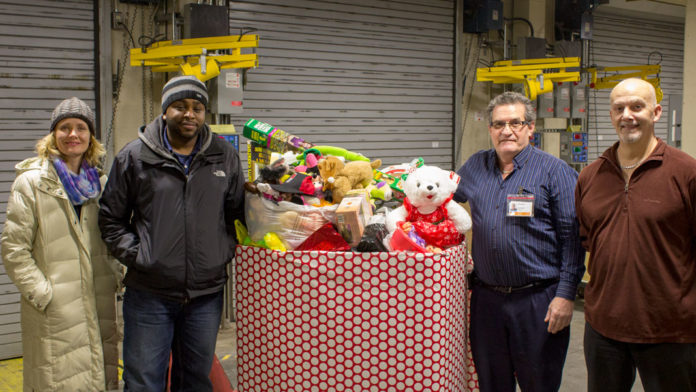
(515,125)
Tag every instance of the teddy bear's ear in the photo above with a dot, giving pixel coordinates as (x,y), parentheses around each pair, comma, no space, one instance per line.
(454,177)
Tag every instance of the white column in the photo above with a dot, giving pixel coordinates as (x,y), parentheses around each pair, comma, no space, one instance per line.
(689,89)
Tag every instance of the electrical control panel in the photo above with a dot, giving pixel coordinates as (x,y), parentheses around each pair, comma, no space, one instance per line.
(481,16)
(545,108)
(574,147)
(579,108)
(234,139)
(226,92)
(562,97)
(535,140)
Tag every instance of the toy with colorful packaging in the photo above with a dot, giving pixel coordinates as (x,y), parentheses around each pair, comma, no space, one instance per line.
(352,216)
(380,190)
(259,157)
(395,175)
(273,138)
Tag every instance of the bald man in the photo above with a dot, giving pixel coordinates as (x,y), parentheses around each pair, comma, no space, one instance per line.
(636,206)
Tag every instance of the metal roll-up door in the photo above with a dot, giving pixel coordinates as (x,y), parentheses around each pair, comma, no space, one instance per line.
(620,40)
(47,53)
(371,76)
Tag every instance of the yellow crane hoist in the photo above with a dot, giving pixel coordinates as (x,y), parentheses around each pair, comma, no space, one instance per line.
(537,75)
(196,56)
(634,71)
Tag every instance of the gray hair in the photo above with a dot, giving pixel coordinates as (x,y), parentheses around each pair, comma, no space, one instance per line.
(512,98)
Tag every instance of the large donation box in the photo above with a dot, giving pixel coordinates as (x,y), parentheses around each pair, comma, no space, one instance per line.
(344,321)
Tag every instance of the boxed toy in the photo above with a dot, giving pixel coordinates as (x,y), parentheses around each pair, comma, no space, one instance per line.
(274,138)
(352,216)
(258,156)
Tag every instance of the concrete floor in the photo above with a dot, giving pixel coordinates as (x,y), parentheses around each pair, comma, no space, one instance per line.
(574,372)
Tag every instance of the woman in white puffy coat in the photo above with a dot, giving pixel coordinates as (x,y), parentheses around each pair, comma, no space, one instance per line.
(53,252)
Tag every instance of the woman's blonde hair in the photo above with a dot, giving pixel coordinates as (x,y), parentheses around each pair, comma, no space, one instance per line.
(47,148)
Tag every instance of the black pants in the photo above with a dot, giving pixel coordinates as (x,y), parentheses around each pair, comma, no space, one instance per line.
(663,367)
(510,343)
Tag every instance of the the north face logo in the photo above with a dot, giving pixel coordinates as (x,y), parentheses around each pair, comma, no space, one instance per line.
(219,173)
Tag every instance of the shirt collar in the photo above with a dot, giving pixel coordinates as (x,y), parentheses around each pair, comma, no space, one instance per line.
(519,159)
(657,154)
(168,145)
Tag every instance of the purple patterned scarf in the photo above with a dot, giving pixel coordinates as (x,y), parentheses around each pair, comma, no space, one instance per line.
(79,187)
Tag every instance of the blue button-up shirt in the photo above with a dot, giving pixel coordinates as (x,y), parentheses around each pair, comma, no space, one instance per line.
(515,251)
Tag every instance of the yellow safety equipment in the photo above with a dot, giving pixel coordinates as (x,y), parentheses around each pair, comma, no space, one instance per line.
(537,75)
(635,71)
(196,56)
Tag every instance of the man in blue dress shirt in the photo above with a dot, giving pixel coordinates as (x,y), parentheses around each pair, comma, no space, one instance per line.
(528,259)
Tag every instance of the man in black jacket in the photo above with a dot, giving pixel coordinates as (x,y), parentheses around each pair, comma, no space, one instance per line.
(168,214)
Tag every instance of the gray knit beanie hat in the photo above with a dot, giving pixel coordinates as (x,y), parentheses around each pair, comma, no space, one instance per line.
(73,108)
(182,87)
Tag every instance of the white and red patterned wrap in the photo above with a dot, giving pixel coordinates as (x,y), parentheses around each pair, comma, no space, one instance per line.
(435,228)
(344,321)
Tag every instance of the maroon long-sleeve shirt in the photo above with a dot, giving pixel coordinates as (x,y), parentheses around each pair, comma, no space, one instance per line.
(641,236)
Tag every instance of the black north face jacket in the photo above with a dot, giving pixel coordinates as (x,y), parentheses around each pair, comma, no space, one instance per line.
(174,232)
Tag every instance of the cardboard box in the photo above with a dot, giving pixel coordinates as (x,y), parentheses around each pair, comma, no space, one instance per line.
(344,321)
(352,216)
(275,139)
(258,157)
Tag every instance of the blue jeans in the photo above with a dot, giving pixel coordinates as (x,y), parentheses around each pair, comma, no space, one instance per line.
(154,327)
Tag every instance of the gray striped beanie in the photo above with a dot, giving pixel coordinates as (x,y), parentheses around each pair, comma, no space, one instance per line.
(182,87)
(73,108)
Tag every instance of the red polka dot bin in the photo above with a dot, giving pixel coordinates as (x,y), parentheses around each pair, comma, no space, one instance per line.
(343,321)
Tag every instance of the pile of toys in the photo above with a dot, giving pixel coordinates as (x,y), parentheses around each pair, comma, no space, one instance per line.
(302,196)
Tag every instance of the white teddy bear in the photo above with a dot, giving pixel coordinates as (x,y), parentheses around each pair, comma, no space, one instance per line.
(429,208)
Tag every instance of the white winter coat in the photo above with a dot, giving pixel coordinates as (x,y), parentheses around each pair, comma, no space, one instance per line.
(67,283)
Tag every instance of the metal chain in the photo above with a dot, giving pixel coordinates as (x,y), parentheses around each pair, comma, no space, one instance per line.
(153,34)
(142,81)
(121,68)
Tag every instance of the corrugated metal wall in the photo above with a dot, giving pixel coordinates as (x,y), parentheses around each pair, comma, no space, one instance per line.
(47,53)
(372,76)
(620,40)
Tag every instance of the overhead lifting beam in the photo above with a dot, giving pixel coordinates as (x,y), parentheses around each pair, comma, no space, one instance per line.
(537,75)
(198,56)
(624,72)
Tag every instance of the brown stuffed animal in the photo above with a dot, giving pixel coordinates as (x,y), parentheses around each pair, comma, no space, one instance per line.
(328,167)
(354,175)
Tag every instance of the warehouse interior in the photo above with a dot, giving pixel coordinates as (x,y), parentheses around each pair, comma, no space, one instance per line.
(392,79)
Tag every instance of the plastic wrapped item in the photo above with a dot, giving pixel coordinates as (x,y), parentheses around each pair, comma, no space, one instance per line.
(292,222)
(326,238)
(372,239)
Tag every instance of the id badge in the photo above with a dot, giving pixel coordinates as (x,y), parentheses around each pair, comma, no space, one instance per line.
(520,205)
